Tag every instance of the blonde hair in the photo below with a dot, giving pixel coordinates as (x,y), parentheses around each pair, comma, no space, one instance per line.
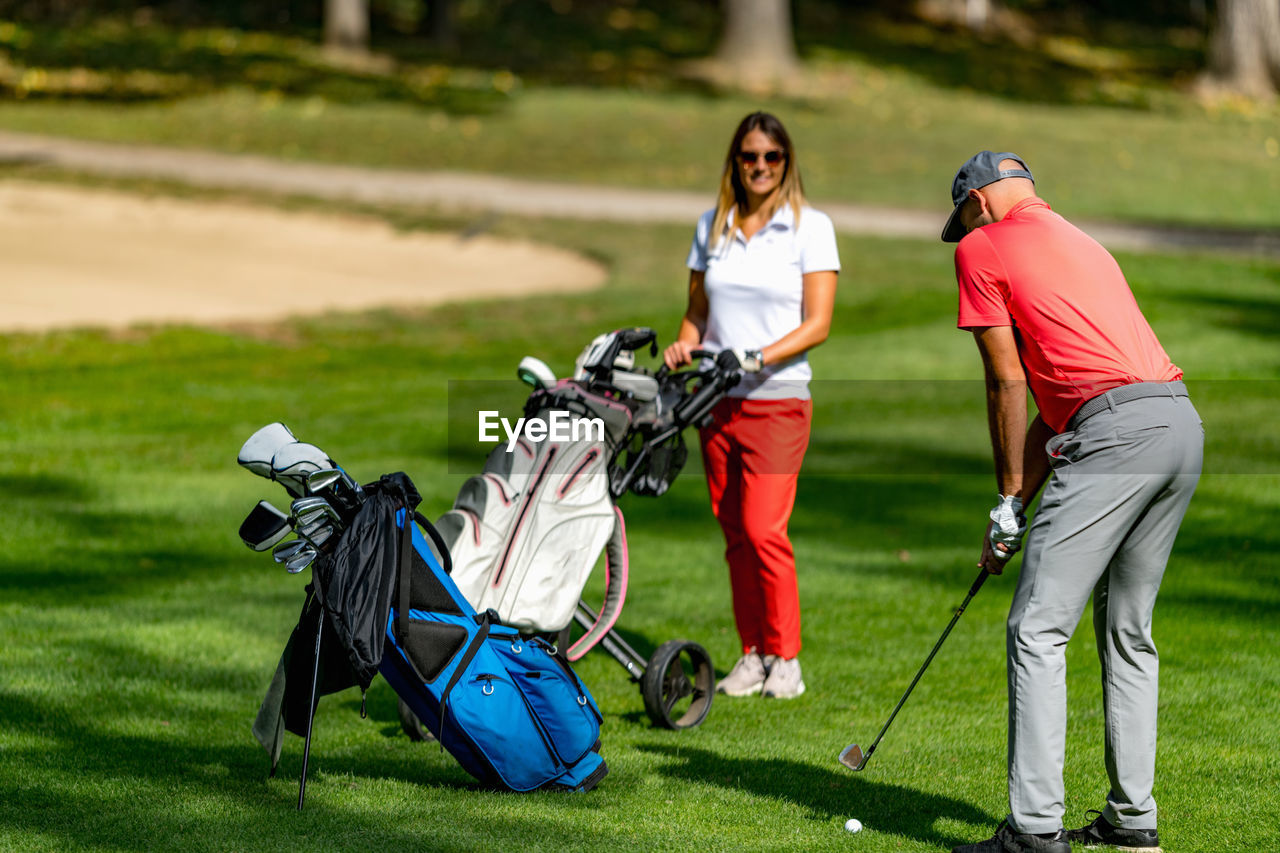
(733,195)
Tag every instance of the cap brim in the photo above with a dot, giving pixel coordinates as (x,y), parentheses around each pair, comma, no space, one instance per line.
(954,229)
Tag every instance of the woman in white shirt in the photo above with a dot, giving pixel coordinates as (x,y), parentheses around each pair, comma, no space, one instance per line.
(762,283)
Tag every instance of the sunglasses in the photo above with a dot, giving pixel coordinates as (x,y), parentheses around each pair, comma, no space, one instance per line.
(773,157)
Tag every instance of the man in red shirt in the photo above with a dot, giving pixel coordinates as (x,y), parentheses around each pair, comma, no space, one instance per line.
(1051,310)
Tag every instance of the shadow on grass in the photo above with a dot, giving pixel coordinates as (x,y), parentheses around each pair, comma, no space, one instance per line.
(1253,315)
(77,564)
(73,550)
(593,43)
(856,512)
(1033,65)
(88,771)
(111,60)
(70,572)
(73,779)
(827,795)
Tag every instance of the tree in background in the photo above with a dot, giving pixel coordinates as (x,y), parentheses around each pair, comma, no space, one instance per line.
(1244,49)
(757,45)
(440,24)
(346,24)
(976,15)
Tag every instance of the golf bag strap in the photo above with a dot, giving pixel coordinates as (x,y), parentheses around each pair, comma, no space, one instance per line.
(615,590)
(405,583)
(406,567)
(446,562)
(477,642)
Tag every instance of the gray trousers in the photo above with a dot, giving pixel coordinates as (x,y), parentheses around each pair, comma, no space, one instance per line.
(1105,526)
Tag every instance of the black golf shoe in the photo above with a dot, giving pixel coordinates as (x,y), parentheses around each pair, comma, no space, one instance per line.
(1006,840)
(1102,833)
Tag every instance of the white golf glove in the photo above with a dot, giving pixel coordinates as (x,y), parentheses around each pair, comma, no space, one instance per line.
(1008,525)
(750,360)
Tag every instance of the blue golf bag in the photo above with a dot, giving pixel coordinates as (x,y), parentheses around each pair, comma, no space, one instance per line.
(510,710)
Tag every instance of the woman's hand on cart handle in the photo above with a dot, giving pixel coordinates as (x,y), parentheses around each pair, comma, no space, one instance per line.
(678,354)
(746,360)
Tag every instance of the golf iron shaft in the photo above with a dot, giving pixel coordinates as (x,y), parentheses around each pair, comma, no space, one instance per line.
(852,755)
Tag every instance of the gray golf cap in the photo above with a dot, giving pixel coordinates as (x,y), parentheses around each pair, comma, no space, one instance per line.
(977,172)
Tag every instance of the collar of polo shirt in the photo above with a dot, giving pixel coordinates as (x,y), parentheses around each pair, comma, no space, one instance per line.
(783,219)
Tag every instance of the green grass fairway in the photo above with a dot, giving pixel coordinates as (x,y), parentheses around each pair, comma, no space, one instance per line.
(137,634)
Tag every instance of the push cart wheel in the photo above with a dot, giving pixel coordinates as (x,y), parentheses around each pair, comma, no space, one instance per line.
(678,685)
(412,725)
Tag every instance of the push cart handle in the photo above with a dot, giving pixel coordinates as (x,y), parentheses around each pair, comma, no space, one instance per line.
(664,371)
(696,407)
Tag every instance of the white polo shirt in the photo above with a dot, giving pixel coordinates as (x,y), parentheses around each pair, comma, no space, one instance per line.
(755,291)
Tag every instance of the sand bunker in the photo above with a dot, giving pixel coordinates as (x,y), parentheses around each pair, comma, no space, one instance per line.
(73,257)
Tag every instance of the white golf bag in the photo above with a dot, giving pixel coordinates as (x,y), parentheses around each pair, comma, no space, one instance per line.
(526,532)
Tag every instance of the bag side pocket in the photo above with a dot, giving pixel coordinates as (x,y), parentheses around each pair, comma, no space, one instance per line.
(561,703)
(493,713)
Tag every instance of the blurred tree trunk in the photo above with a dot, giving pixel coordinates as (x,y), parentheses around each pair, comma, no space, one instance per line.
(757,43)
(346,24)
(440,23)
(1244,48)
(977,15)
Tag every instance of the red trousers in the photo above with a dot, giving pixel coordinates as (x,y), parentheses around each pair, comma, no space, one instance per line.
(752,454)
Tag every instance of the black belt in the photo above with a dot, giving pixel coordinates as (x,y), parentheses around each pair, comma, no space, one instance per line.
(1123,394)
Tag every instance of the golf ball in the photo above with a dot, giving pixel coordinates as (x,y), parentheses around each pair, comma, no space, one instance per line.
(853,825)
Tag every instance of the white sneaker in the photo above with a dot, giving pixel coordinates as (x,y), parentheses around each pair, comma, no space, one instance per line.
(784,681)
(746,678)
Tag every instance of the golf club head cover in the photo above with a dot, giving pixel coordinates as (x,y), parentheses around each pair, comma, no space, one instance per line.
(293,463)
(535,372)
(1008,525)
(262,446)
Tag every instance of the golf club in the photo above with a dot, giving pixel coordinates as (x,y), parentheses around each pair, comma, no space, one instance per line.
(316,521)
(305,556)
(316,532)
(310,519)
(305,509)
(852,755)
(319,481)
(285,551)
(264,527)
(339,485)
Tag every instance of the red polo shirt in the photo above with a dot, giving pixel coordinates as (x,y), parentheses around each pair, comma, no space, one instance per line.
(1078,327)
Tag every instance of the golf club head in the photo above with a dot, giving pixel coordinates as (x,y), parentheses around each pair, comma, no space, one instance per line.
(313,518)
(285,551)
(262,446)
(264,527)
(337,486)
(305,556)
(323,480)
(293,463)
(851,756)
(317,533)
(307,509)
